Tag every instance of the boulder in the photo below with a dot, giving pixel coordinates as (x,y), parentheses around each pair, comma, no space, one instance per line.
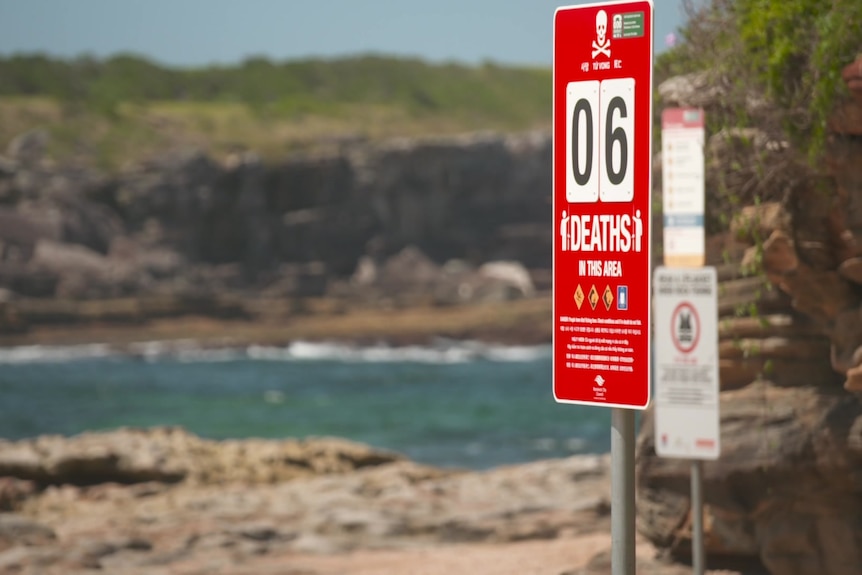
(299,281)
(497,281)
(83,273)
(18,530)
(29,148)
(510,273)
(157,262)
(408,270)
(410,276)
(18,235)
(28,280)
(171,454)
(847,119)
(691,90)
(753,224)
(13,492)
(707,90)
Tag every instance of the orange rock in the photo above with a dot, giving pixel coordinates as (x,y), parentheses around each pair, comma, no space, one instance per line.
(853,383)
(851,269)
(847,118)
(852,76)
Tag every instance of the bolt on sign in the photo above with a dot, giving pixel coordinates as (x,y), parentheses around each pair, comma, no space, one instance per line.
(602,142)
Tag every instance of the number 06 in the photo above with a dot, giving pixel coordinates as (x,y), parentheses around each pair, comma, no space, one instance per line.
(600,118)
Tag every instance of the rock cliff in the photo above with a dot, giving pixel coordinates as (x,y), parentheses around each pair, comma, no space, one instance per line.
(476,198)
(786,492)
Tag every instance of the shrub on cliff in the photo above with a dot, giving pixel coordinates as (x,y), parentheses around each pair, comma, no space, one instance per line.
(785,54)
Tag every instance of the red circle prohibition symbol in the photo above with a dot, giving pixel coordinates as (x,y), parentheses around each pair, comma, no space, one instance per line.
(684,347)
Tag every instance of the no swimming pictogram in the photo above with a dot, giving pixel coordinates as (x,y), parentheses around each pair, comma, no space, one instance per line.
(685,327)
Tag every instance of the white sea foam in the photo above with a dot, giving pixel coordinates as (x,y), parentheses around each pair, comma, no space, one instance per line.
(443,352)
(518,353)
(184,350)
(53,354)
(204,355)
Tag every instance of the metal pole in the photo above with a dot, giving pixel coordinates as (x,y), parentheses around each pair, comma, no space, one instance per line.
(622,491)
(697,517)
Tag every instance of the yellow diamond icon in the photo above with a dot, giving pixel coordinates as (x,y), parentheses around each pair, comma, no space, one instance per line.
(608,297)
(579,296)
(594,297)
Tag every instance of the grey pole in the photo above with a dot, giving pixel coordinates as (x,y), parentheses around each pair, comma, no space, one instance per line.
(622,491)
(697,553)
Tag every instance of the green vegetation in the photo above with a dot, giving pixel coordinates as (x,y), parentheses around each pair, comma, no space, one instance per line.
(785,53)
(117,108)
(772,70)
(788,53)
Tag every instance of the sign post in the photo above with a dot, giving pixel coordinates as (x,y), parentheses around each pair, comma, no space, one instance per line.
(602,159)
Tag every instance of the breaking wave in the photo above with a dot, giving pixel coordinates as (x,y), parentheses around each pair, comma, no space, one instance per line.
(439,352)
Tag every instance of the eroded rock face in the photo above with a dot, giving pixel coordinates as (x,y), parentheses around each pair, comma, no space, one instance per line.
(450,197)
(789,434)
(826,236)
(786,491)
(186,227)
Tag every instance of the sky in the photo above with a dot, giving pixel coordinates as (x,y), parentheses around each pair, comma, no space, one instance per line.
(188,33)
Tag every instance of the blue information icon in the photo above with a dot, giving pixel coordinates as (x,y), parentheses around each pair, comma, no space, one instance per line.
(622,297)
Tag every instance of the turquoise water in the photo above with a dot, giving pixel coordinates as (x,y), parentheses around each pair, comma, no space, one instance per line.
(453,404)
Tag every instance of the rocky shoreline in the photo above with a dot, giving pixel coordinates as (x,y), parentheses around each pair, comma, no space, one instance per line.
(165,501)
(522,322)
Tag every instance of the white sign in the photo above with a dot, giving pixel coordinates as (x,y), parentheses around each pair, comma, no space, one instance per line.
(600,113)
(682,134)
(686,363)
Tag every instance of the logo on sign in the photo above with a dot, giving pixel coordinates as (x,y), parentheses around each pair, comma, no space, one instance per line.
(600,381)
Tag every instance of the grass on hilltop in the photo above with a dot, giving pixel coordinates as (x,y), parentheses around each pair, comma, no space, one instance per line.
(125,108)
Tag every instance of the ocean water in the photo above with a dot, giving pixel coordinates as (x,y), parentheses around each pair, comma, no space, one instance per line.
(458,404)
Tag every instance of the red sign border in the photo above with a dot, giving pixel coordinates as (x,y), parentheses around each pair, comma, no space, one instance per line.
(648,251)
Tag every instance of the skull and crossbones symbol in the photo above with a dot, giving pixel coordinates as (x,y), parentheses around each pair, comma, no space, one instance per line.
(602,44)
